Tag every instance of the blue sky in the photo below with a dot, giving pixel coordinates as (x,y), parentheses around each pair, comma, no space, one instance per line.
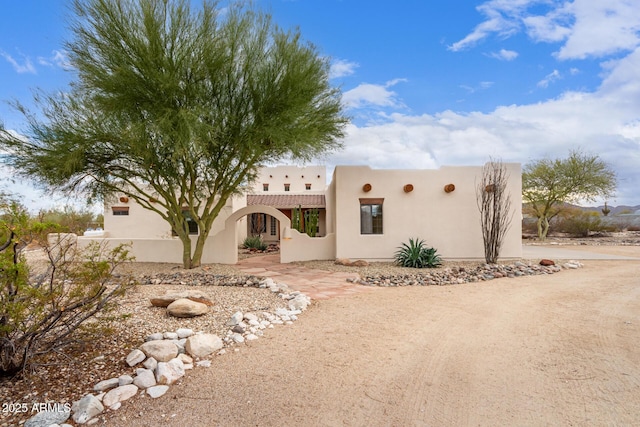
(429,83)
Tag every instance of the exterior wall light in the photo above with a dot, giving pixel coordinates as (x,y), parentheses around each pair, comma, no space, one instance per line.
(366,188)
(286,234)
(449,188)
(408,188)
(124,199)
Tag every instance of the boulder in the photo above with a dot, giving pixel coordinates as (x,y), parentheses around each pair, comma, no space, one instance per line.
(119,394)
(547,262)
(169,372)
(202,345)
(157,391)
(171,296)
(106,385)
(134,357)
(162,351)
(235,319)
(86,408)
(359,263)
(48,418)
(185,307)
(343,261)
(144,378)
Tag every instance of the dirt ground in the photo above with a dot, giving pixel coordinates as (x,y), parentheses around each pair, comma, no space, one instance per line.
(537,350)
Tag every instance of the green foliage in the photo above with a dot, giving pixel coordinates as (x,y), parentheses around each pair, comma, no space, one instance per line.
(177,105)
(70,219)
(311,218)
(296,219)
(41,310)
(548,184)
(581,224)
(417,255)
(254,242)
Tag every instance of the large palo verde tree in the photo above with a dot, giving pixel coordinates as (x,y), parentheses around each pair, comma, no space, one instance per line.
(177,108)
(548,184)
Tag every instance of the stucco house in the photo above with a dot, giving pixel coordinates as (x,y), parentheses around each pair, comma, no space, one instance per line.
(364,213)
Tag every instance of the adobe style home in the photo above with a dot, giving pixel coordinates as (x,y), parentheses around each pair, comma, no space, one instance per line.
(362,213)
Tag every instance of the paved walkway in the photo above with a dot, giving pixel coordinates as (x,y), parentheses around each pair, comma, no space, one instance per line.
(317,284)
(321,284)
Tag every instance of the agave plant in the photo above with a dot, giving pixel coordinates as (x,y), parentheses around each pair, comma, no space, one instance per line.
(417,255)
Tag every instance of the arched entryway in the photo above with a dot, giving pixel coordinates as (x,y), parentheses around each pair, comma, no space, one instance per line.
(226,241)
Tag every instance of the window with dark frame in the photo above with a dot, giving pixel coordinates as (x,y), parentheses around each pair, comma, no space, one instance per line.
(192,225)
(120,210)
(265,187)
(371,216)
(287,187)
(274,226)
(307,186)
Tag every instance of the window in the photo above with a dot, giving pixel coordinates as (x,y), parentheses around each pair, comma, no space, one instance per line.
(307,186)
(192,225)
(287,187)
(265,187)
(257,223)
(274,226)
(120,210)
(371,216)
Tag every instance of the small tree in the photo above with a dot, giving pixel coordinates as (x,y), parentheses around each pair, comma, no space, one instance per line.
(494,203)
(179,108)
(548,184)
(43,310)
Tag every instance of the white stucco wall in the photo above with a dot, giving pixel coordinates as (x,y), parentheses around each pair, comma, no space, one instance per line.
(449,222)
(295,176)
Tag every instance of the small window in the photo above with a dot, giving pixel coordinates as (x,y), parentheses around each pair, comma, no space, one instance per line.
(265,187)
(120,210)
(274,226)
(371,216)
(307,186)
(192,225)
(287,187)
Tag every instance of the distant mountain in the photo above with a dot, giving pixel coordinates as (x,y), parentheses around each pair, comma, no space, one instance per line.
(615,210)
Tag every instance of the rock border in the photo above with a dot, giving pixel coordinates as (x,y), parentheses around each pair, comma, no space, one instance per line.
(165,357)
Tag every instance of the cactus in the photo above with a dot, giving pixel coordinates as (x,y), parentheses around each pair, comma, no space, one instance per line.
(296,219)
(311,221)
(605,210)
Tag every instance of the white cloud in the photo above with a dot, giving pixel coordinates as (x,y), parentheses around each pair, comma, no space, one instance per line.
(366,95)
(342,68)
(588,28)
(604,122)
(58,58)
(480,86)
(549,78)
(504,55)
(25,67)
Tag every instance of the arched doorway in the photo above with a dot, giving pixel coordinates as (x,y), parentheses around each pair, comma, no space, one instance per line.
(226,241)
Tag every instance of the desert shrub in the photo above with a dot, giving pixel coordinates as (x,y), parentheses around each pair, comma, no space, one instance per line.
(417,255)
(254,242)
(70,218)
(44,310)
(582,223)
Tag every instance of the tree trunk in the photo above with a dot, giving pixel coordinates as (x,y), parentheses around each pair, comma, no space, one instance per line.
(543,228)
(187,261)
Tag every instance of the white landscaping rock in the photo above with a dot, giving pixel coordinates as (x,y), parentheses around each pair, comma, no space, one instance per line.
(119,394)
(235,319)
(169,372)
(86,408)
(202,345)
(106,385)
(157,391)
(162,351)
(150,363)
(47,418)
(124,380)
(184,333)
(144,378)
(136,356)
